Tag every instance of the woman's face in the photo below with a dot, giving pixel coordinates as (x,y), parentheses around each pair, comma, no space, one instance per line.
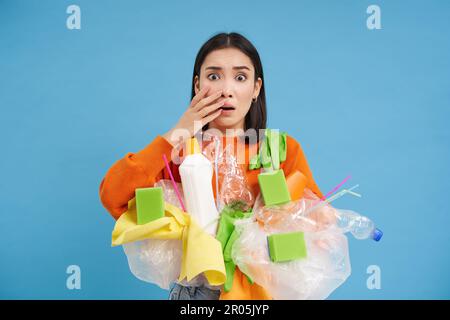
(231,71)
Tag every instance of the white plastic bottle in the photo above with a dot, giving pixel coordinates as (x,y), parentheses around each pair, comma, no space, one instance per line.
(196,178)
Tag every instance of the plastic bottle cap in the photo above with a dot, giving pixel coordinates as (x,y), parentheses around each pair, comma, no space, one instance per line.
(377,234)
(192,146)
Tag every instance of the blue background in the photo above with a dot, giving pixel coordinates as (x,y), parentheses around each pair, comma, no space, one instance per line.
(370,103)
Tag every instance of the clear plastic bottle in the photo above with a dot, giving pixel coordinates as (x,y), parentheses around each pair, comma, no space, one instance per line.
(359,226)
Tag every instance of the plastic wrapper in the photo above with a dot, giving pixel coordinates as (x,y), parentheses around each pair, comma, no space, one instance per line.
(159,261)
(326,267)
(327,264)
(232,183)
(154,260)
(308,214)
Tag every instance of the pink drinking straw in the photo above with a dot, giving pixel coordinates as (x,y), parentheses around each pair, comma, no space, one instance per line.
(335,188)
(174,183)
(331,192)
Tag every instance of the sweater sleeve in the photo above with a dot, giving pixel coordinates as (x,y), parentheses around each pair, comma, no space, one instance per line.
(296,160)
(135,170)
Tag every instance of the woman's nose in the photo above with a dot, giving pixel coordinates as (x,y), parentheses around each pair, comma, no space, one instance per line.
(227,92)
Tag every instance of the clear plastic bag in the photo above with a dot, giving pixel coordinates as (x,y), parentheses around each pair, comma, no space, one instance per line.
(234,189)
(326,267)
(159,261)
(170,196)
(327,264)
(154,260)
(307,214)
(230,180)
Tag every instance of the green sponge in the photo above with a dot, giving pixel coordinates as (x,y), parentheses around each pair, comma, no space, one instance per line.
(149,204)
(273,187)
(286,246)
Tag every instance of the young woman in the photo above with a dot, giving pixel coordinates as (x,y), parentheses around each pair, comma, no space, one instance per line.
(227,93)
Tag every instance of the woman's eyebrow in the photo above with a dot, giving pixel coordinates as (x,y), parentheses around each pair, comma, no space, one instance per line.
(234,68)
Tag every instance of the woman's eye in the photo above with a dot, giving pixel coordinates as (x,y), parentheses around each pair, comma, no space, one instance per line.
(213,76)
(241,77)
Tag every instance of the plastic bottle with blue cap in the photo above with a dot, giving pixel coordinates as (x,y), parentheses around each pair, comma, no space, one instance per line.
(359,226)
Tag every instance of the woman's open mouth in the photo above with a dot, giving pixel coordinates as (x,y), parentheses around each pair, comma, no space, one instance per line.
(227,109)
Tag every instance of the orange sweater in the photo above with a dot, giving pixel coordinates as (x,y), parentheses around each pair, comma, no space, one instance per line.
(144,168)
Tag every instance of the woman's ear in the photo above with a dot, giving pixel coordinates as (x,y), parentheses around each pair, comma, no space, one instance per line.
(258,85)
(196,84)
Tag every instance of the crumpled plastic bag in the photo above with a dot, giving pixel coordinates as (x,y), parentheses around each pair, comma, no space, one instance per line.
(232,182)
(306,214)
(154,260)
(326,266)
(234,188)
(159,261)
